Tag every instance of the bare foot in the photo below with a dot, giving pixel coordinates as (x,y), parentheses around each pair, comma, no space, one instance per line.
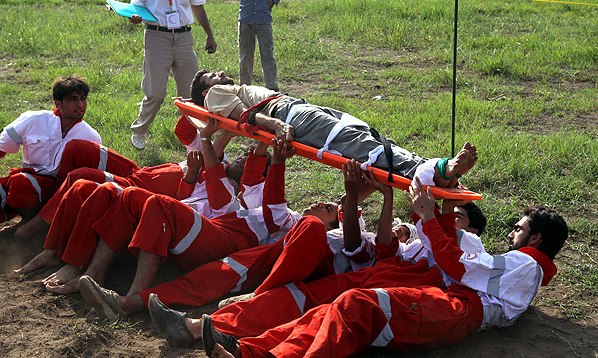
(220,352)
(70,287)
(65,274)
(44,258)
(34,228)
(194,325)
(459,165)
(131,304)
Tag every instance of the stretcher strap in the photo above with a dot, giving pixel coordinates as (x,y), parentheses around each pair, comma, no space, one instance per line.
(346,120)
(386,144)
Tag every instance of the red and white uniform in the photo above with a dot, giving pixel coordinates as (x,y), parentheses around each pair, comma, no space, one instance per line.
(169,228)
(70,233)
(307,252)
(116,210)
(86,160)
(40,135)
(491,291)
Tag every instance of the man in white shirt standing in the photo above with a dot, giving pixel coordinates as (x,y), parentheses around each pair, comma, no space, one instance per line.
(168,47)
(43,136)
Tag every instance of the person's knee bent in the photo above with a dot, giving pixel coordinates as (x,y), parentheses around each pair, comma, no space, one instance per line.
(22,193)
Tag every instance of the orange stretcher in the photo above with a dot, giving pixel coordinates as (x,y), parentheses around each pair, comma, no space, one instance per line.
(197,115)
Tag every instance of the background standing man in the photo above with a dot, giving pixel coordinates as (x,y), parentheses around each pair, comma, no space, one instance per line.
(168,47)
(255,20)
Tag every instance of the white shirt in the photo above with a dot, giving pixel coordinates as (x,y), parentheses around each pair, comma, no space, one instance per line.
(158,8)
(40,134)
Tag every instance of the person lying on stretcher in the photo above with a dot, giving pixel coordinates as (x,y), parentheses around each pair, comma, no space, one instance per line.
(324,128)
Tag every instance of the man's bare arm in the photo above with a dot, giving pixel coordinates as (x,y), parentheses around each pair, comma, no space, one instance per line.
(200,14)
(282,130)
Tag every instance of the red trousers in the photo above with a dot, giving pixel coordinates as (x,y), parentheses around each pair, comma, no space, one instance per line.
(166,224)
(82,159)
(71,233)
(80,153)
(401,318)
(162,179)
(302,254)
(23,190)
(284,304)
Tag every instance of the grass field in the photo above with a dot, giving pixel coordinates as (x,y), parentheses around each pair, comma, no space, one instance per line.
(527,95)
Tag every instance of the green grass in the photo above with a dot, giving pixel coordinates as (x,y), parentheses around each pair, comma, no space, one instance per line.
(527,90)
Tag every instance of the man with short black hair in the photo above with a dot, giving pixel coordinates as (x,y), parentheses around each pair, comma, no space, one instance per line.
(470,217)
(43,136)
(486,291)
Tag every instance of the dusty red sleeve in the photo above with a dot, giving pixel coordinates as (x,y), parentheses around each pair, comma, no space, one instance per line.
(184,130)
(273,194)
(185,189)
(218,194)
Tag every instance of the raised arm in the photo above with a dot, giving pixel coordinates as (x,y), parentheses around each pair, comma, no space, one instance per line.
(209,153)
(351,230)
(384,233)
(274,204)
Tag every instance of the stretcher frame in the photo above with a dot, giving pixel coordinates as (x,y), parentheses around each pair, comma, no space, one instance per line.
(198,115)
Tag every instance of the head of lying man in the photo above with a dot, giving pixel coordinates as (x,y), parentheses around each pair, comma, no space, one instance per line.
(327,212)
(469,217)
(203,81)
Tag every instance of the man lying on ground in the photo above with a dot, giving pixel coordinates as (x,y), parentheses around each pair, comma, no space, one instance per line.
(487,291)
(308,251)
(100,164)
(73,236)
(43,136)
(191,240)
(325,128)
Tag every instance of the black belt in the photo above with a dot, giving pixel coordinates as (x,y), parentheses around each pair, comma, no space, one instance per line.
(166,29)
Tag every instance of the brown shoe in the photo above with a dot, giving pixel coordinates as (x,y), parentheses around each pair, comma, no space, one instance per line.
(104,301)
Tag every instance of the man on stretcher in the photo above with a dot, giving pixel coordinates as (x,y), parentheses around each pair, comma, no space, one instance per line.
(324,128)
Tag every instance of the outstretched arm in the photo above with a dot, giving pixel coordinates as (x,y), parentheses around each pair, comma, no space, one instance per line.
(210,157)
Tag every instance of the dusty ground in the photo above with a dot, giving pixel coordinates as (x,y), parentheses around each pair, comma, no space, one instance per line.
(34,322)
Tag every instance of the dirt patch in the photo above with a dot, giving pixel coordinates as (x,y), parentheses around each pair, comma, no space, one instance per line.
(546,124)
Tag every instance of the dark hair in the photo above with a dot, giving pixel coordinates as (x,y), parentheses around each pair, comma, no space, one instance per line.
(477,219)
(335,223)
(197,88)
(551,226)
(65,86)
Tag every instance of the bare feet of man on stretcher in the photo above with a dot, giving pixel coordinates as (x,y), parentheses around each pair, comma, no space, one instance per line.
(457,166)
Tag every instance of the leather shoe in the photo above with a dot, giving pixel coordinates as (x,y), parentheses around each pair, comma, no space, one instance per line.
(211,336)
(169,322)
(104,301)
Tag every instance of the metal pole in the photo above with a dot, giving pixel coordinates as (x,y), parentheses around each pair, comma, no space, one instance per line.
(454,77)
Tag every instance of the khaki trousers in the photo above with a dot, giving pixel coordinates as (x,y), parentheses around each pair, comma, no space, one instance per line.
(164,52)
